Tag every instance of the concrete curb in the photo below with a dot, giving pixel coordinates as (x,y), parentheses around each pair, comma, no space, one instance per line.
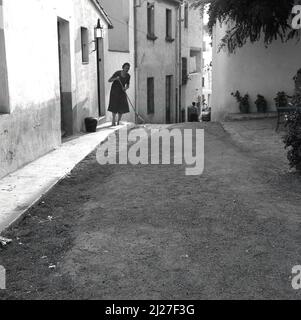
(21,190)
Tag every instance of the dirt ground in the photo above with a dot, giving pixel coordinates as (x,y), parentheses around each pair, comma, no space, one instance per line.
(150,232)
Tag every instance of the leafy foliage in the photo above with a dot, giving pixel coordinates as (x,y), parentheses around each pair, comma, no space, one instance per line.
(297,96)
(293,139)
(281,99)
(250,20)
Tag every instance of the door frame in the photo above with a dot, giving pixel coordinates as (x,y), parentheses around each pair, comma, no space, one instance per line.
(65,76)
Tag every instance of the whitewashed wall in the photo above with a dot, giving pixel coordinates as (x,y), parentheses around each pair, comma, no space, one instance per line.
(114,60)
(156,59)
(254,69)
(192,40)
(33,126)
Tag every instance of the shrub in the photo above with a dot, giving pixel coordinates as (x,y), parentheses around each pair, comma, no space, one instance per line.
(292,139)
(281,99)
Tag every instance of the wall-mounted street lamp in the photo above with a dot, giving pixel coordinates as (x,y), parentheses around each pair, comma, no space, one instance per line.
(99,31)
(99,34)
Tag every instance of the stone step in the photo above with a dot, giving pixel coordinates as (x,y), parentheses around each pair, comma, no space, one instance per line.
(250,116)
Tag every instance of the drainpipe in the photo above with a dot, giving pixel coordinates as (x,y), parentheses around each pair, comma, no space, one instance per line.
(176,64)
(98,60)
(180,62)
(136,60)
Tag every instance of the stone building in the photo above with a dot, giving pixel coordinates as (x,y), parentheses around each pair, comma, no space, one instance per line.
(49,79)
(192,56)
(157,60)
(207,65)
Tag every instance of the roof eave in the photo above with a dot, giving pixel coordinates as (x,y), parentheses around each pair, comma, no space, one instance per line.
(103,13)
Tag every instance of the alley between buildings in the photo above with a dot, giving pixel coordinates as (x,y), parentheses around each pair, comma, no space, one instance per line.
(150,232)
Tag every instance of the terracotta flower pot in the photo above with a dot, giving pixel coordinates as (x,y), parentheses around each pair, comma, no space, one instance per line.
(91,124)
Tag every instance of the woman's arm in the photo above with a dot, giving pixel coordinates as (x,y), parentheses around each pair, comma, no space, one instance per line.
(114,77)
(127,85)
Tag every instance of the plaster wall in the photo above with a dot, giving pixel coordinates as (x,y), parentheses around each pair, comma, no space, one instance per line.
(33,126)
(192,40)
(156,59)
(253,69)
(114,59)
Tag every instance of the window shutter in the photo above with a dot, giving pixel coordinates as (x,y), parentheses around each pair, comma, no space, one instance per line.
(186,15)
(150,19)
(150,96)
(184,71)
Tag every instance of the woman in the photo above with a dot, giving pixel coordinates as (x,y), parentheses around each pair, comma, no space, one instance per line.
(118,98)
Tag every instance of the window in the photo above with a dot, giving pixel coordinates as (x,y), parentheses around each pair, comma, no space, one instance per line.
(186,12)
(150,96)
(203,82)
(169,25)
(184,71)
(192,65)
(195,63)
(119,40)
(85,45)
(151,21)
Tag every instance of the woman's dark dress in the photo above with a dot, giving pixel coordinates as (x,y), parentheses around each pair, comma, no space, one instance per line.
(118,98)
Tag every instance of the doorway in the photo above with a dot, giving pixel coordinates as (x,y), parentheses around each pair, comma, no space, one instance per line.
(65,77)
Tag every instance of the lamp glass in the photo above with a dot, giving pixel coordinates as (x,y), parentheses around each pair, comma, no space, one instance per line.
(99,33)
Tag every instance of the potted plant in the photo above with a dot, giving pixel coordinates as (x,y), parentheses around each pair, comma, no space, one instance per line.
(261,104)
(91,124)
(244,105)
(281,99)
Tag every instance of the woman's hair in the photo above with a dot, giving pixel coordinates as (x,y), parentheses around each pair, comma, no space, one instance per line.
(126,65)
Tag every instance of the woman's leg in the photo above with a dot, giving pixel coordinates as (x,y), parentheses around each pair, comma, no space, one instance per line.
(119,118)
(114,119)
